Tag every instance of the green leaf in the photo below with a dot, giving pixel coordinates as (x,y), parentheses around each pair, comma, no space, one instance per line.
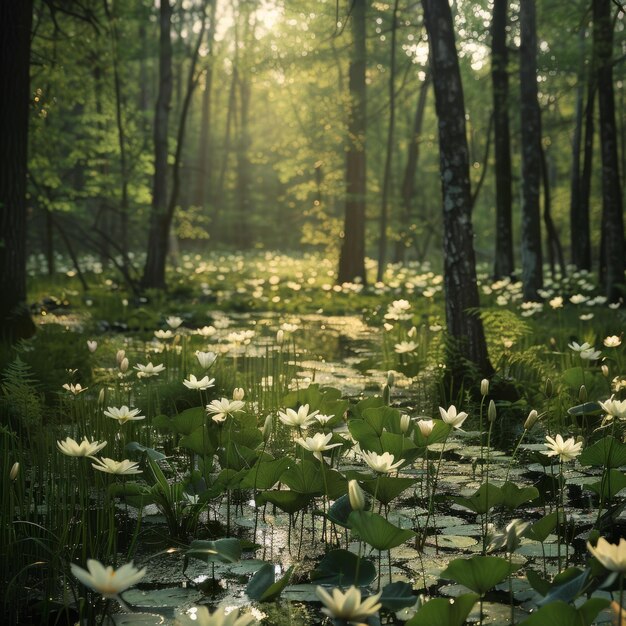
(444,611)
(439,433)
(361,431)
(287,501)
(377,531)
(187,421)
(540,585)
(479,573)
(397,596)
(359,408)
(389,487)
(540,530)
(382,418)
(486,498)
(607,452)
(611,484)
(135,446)
(339,511)
(339,568)
(262,586)
(567,586)
(265,474)
(305,477)
(513,496)
(134,494)
(559,613)
(588,408)
(220,551)
(201,441)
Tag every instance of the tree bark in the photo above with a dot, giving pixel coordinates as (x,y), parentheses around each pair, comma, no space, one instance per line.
(504,259)
(612,216)
(15,39)
(532,274)
(154,270)
(384,208)
(465,328)
(352,255)
(553,243)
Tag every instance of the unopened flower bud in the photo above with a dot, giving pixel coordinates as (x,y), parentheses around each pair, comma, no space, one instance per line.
(491,411)
(582,394)
(426,427)
(549,388)
(405,423)
(356,496)
(120,356)
(412,332)
(92,345)
(267,428)
(15,470)
(238,393)
(484,387)
(531,420)
(123,365)
(101,397)
(391,378)
(280,336)
(605,371)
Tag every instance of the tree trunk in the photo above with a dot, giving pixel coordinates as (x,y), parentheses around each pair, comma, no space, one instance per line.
(154,270)
(15,38)
(465,328)
(612,215)
(352,255)
(244,175)
(504,262)
(406,236)
(553,243)
(532,276)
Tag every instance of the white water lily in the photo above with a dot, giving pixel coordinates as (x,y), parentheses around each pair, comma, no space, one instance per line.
(173,321)
(614,408)
(75,389)
(356,496)
(566,450)
(219,410)
(206,359)
(405,423)
(238,393)
(404,347)
(92,345)
(576,347)
(124,414)
(105,580)
(200,616)
(120,468)
(426,427)
(381,463)
(590,355)
(70,447)
(509,539)
(451,416)
(297,419)
(163,334)
(199,384)
(612,556)
(323,419)
(556,302)
(148,370)
(317,444)
(206,331)
(612,341)
(348,606)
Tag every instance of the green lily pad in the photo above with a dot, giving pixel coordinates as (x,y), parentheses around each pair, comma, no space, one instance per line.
(479,573)
(377,531)
(339,568)
(444,611)
(263,587)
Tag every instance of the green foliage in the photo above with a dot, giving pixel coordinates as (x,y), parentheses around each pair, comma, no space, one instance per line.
(20,400)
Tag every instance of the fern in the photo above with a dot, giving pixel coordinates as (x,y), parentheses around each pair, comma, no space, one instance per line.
(21,402)
(503,328)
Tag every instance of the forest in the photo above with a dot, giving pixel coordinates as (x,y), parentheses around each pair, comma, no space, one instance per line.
(312,312)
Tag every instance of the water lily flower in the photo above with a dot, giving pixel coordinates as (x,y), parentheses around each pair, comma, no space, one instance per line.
(124,365)
(510,537)
(120,468)
(238,393)
(484,387)
(268,427)
(452,417)
(206,359)
(124,414)
(426,427)
(317,444)
(280,336)
(356,496)
(206,331)
(613,341)
(297,419)
(173,321)
(92,345)
(381,463)
(590,354)
(612,556)
(148,370)
(348,606)
(404,347)
(219,410)
(70,447)
(200,385)
(120,355)
(323,419)
(566,450)
(200,616)
(614,408)
(163,334)
(556,302)
(405,423)
(105,580)
(576,347)
(75,389)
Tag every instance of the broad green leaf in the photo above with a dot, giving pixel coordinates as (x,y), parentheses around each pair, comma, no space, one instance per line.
(388,487)
(397,596)
(486,498)
(567,586)
(377,531)
(479,573)
(439,433)
(540,530)
(201,441)
(607,452)
(185,422)
(559,613)
(262,586)
(305,477)
(134,494)
(539,584)
(265,474)
(135,446)
(610,485)
(226,550)
(513,496)
(444,612)
(288,501)
(367,403)
(382,418)
(339,568)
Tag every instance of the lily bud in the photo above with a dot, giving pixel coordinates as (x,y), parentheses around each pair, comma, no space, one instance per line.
(123,365)
(405,423)
(531,420)
(549,388)
(280,336)
(426,427)
(101,396)
(120,356)
(484,387)
(491,411)
(605,370)
(92,345)
(582,394)
(15,470)
(356,496)
(391,378)
(267,428)
(238,393)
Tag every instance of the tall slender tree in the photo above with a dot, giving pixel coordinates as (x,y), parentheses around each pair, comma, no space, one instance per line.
(612,214)
(352,255)
(459,261)
(504,259)
(15,40)
(532,270)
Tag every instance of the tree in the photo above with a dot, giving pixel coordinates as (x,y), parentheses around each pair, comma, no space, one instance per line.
(15,43)
(532,276)
(504,262)
(459,261)
(352,255)
(612,216)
